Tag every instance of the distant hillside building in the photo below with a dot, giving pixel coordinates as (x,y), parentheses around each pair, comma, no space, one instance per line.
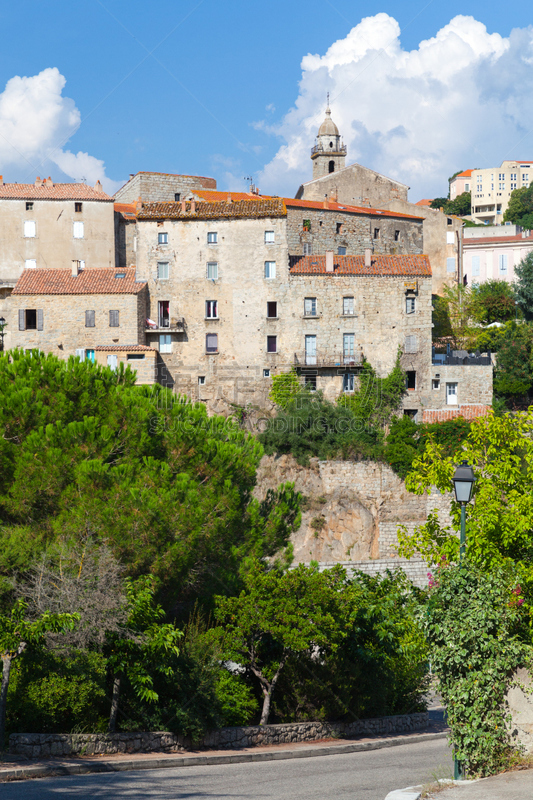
(461,183)
(494,252)
(492,187)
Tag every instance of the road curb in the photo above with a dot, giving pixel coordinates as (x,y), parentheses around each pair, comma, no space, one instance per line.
(52,770)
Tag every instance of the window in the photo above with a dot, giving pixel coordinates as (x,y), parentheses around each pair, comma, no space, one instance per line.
(341,251)
(272,310)
(80,353)
(270,269)
(120,274)
(310,307)
(450,237)
(450,264)
(77,230)
(212,237)
(396,236)
(310,350)
(475,266)
(29,206)
(449,221)
(307,248)
(212,271)
(502,263)
(376,233)
(338,227)
(348,306)
(165,343)
(410,305)
(272,344)
(348,347)
(307,224)
(113,319)
(211,343)
(411,344)
(412,413)
(451,394)
(30,263)
(78,207)
(269,237)
(134,356)
(410,380)
(435,383)
(163,270)
(177,197)
(163,313)
(331,166)
(211,309)
(201,380)
(310,383)
(90,319)
(30,319)
(266,373)
(112,361)
(162,238)
(467,187)
(90,356)
(29,229)
(348,382)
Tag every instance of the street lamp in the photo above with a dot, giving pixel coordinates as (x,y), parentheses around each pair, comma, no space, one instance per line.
(463,483)
(3,324)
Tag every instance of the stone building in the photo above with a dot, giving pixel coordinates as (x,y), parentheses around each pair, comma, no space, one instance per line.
(45,225)
(74,313)
(161,187)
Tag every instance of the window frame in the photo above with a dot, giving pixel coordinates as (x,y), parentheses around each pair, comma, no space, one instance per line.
(410,305)
(161,277)
(78,207)
(88,318)
(269,240)
(211,349)
(346,313)
(165,346)
(210,307)
(112,323)
(27,263)
(272,339)
(269,304)
(162,237)
(77,227)
(270,270)
(214,266)
(212,237)
(30,225)
(310,302)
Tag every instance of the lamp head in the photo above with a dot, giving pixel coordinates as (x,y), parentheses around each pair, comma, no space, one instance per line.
(463,482)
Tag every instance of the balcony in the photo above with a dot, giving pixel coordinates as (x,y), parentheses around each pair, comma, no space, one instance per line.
(165,325)
(333,360)
(319,150)
(459,358)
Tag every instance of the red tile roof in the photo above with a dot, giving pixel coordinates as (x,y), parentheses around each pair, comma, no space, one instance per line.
(256,207)
(498,239)
(424,203)
(52,191)
(331,206)
(466,174)
(216,196)
(355,265)
(89,281)
(123,347)
(128,210)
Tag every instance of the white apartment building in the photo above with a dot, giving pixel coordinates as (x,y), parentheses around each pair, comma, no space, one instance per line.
(492,187)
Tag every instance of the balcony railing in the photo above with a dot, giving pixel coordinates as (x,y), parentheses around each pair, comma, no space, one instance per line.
(461,358)
(329,360)
(319,149)
(166,325)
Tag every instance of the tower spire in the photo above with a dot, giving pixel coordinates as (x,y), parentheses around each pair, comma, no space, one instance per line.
(327,104)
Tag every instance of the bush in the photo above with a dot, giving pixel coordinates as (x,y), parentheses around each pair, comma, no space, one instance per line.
(477,631)
(407,440)
(494,301)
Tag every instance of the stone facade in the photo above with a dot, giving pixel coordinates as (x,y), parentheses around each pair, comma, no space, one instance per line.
(41,745)
(332,227)
(473,397)
(359,505)
(519,703)
(354,185)
(140,358)
(155,187)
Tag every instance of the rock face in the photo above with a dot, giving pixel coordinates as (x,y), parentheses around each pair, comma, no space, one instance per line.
(519,701)
(352,509)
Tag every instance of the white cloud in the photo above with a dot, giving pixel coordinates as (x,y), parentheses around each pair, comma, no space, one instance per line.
(35,123)
(460,100)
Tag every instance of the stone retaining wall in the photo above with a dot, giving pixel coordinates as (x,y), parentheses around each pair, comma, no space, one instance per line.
(42,745)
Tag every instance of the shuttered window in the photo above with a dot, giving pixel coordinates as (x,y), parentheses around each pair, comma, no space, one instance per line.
(411,344)
(29,229)
(475,266)
(77,230)
(22,320)
(113,319)
(211,343)
(40,319)
(89,319)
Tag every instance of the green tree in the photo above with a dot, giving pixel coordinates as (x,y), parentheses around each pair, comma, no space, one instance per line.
(278,615)
(439,202)
(376,400)
(514,366)
(16,632)
(500,520)
(285,387)
(520,205)
(459,308)
(494,301)
(524,286)
(461,206)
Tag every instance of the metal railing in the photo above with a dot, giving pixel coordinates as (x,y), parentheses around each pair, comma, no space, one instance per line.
(319,149)
(328,360)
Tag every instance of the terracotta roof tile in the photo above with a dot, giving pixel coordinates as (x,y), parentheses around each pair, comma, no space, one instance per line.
(355,265)
(256,207)
(330,206)
(424,202)
(117,348)
(51,191)
(486,240)
(216,196)
(466,174)
(89,281)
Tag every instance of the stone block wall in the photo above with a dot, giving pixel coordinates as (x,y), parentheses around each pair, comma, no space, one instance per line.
(354,185)
(41,745)
(159,187)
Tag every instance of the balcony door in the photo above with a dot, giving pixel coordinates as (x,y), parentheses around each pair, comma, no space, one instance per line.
(348,344)
(163,311)
(310,350)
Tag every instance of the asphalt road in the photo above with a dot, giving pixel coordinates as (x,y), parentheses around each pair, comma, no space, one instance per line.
(357,776)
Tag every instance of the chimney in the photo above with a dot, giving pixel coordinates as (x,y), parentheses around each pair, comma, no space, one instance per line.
(48,181)
(193,206)
(230,200)
(98,187)
(75,269)
(132,175)
(38,181)
(1,180)
(138,205)
(326,202)
(368,257)
(183,206)
(329,261)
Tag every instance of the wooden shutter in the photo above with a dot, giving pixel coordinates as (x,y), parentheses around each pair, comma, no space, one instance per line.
(40,319)
(113,319)
(211,342)
(89,319)
(22,319)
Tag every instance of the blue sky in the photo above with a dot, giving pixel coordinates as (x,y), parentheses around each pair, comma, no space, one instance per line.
(218,89)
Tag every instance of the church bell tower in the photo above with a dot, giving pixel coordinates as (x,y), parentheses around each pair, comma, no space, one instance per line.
(329,153)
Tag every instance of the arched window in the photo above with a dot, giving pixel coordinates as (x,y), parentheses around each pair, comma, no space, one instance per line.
(332,166)
(331,144)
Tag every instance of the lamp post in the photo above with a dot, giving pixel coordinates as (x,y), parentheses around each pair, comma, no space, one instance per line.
(3,324)
(463,483)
